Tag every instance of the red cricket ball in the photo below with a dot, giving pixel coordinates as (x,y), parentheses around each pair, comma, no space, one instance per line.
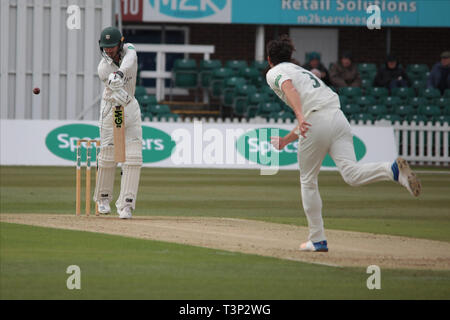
(36,90)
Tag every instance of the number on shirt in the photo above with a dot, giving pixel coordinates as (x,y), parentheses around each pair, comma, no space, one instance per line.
(316,83)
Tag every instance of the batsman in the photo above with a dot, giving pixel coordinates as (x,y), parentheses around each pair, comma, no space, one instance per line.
(120,124)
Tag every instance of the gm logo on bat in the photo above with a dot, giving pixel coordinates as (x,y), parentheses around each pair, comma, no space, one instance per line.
(190,9)
(118,117)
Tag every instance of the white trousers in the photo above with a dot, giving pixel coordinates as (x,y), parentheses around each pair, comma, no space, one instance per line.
(133,160)
(330,133)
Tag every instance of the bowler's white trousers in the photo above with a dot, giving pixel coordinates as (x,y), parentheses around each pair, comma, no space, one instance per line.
(330,133)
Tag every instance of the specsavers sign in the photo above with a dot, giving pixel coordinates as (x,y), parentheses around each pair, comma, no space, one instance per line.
(181,145)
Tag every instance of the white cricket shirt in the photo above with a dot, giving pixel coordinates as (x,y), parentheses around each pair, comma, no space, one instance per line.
(128,65)
(314,93)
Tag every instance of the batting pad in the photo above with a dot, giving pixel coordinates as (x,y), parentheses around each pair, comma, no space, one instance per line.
(128,186)
(131,171)
(133,156)
(105,176)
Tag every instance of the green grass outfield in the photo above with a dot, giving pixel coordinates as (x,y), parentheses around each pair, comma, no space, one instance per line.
(33,260)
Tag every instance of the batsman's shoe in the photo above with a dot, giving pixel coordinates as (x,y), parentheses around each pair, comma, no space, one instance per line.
(406,177)
(103,206)
(320,246)
(125,213)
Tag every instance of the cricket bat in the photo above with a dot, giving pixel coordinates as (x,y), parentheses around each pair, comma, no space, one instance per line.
(119,134)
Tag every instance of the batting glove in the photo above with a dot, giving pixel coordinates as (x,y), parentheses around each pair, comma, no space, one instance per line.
(121,97)
(115,80)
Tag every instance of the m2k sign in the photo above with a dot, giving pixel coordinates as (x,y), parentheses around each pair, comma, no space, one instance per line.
(201,11)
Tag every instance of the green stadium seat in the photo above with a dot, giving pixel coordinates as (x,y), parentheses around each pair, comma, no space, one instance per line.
(140,91)
(404,110)
(250,74)
(236,66)
(266,108)
(272,96)
(403,93)
(418,68)
(379,93)
(241,99)
(285,107)
(417,71)
(146,116)
(159,109)
(417,118)
(146,101)
(257,97)
(429,111)
(259,81)
(367,71)
(254,100)
(366,85)
(260,65)
(419,85)
(376,110)
(229,91)
(392,102)
(365,101)
(206,69)
(350,92)
(365,117)
(217,82)
(442,119)
(251,111)
(442,102)
(185,73)
(168,116)
(367,67)
(446,93)
(446,110)
(416,102)
(391,117)
(162,111)
(430,94)
(350,109)
(343,100)
(413,76)
(284,115)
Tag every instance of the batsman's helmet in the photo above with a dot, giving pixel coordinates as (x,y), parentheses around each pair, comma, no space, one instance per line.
(110,37)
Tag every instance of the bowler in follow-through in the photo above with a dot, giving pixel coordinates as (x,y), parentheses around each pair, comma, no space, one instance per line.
(322,128)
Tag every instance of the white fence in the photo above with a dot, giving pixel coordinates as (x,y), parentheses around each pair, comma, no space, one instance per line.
(423,143)
(38,50)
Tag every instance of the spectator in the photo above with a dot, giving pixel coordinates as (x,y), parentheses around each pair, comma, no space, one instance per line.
(440,73)
(345,73)
(315,66)
(391,75)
